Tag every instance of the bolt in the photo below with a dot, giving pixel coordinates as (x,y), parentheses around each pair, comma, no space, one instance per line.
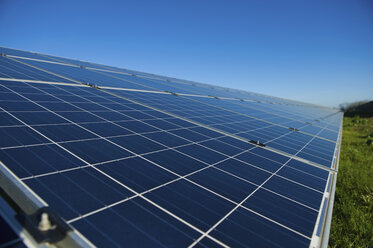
(44,224)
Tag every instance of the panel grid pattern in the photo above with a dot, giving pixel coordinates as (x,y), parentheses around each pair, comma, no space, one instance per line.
(168,170)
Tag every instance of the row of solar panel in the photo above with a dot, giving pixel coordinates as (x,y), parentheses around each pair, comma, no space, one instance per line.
(169,170)
(114,172)
(228,110)
(120,80)
(278,137)
(201,88)
(10,72)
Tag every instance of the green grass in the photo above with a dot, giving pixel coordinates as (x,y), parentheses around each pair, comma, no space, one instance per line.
(352,221)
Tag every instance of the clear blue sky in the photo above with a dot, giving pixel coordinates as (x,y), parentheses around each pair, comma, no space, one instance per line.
(316,51)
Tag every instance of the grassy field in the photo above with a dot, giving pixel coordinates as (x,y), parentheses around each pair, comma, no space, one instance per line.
(352,221)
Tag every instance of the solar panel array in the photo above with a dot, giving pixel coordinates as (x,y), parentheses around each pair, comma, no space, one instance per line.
(136,159)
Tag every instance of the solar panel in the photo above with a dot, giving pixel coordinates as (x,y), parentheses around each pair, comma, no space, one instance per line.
(126,158)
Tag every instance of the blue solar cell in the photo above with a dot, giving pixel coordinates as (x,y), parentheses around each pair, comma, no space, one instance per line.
(303,178)
(93,233)
(116,106)
(195,205)
(224,127)
(35,160)
(20,106)
(136,173)
(80,117)
(161,124)
(82,191)
(320,154)
(143,224)
(245,229)
(138,144)
(189,135)
(284,211)
(78,194)
(157,114)
(7,120)
(221,147)
(19,136)
(64,132)
(89,106)
(137,126)
(295,191)
(112,116)
(138,115)
(327,146)
(202,153)
(281,147)
(259,161)
(310,157)
(236,142)
(98,185)
(70,98)
(294,140)
(96,151)
(21,88)
(166,139)
(245,171)
(106,129)
(257,135)
(175,161)
(8,96)
(59,106)
(224,184)
(311,129)
(308,169)
(40,118)
(206,132)
(40,98)
(270,155)
(325,152)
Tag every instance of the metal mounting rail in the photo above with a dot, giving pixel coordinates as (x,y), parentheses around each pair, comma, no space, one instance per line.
(328,218)
(33,220)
